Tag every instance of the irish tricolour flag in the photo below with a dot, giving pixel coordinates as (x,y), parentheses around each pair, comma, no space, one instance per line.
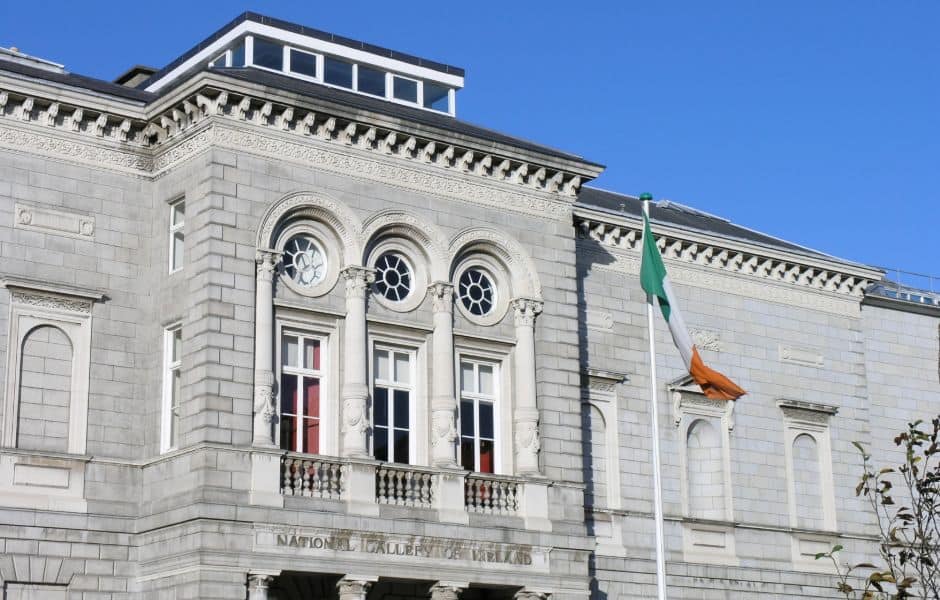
(655,282)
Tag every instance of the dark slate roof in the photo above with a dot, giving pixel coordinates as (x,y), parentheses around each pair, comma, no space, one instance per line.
(384,107)
(677,215)
(308,31)
(79,81)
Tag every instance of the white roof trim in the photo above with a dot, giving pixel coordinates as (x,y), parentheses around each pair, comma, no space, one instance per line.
(305,42)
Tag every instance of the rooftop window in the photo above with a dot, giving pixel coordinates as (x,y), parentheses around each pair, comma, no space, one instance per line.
(310,65)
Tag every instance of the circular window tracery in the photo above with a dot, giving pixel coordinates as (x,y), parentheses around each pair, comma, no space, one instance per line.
(304,261)
(393,277)
(477,292)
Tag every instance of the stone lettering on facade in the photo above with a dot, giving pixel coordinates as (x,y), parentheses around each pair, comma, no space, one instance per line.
(368,546)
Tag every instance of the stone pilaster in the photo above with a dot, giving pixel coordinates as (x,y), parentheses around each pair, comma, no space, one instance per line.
(355,387)
(443,400)
(526,414)
(352,588)
(447,590)
(258,586)
(264,412)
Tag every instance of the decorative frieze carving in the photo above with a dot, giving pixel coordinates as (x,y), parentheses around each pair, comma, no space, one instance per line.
(54,221)
(52,301)
(734,283)
(705,339)
(157,131)
(627,238)
(807,412)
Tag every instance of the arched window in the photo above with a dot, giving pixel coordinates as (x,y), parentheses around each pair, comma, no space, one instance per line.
(594,441)
(705,474)
(45,390)
(806,482)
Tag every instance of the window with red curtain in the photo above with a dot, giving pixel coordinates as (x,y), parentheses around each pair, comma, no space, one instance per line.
(300,389)
(477,415)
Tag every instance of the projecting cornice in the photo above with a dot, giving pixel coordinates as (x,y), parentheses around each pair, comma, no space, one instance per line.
(729,256)
(137,141)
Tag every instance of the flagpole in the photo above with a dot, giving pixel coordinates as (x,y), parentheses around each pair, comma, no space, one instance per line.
(654,429)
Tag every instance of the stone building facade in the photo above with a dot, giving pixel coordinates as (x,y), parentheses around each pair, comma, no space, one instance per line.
(275,324)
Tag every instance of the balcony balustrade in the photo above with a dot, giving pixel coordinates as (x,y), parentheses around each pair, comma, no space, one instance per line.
(492,494)
(312,477)
(365,485)
(403,485)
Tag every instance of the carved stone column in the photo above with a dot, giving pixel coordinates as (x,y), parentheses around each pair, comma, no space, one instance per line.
(355,387)
(264,413)
(443,400)
(526,414)
(446,590)
(350,588)
(258,586)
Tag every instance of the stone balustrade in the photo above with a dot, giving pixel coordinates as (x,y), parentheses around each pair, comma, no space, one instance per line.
(311,477)
(492,494)
(363,486)
(404,485)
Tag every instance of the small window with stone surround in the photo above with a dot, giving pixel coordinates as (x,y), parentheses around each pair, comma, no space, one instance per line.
(177,234)
(172,386)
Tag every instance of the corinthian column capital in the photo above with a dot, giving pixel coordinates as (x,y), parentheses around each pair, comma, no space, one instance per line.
(358,279)
(446,590)
(442,297)
(525,310)
(266,260)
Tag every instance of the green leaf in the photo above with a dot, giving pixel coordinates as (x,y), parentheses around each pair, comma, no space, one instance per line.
(836,548)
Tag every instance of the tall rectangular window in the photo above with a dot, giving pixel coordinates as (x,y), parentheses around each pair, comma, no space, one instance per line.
(300,391)
(172,360)
(392,397)
(477,415)
(177,235)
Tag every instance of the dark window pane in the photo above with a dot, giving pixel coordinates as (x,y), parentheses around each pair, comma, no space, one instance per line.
(303,63)
(466,454)
(486,420)
(401,447)
(238,55)
(435,96)
(312,436)
(371,81)
(380,443)
(466,419)
(289,433)
(405,89)
(289,394)
(486,456)
(311,397)
(268,54)
(380,406)
(401,410)
(338,72)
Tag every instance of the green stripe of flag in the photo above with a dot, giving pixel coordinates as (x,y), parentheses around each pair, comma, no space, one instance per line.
(652,269)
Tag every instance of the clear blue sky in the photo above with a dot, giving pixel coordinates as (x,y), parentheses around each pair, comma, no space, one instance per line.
(818,122)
